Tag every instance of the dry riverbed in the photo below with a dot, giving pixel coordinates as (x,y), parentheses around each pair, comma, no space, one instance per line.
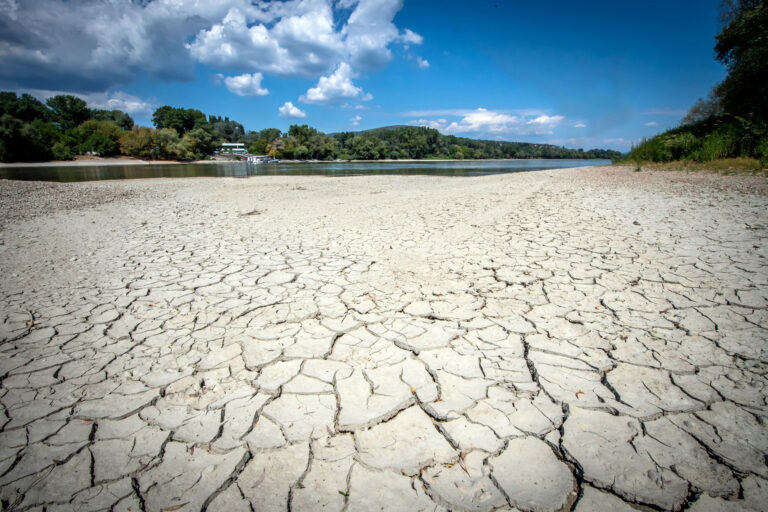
(588,338)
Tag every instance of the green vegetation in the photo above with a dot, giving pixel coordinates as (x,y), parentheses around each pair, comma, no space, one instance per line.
(399,142)
(733,121)
(65,127)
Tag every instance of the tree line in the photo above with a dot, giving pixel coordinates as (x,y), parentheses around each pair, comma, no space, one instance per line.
(733,120)
(302,142)
(64,126)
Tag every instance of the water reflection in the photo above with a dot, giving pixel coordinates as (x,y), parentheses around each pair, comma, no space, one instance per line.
(243,170)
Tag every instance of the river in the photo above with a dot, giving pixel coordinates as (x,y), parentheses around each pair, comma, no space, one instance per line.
(243,170)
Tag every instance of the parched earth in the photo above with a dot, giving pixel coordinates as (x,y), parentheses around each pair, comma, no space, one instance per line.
(588,339)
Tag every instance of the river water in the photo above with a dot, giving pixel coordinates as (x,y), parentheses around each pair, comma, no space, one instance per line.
(244,170)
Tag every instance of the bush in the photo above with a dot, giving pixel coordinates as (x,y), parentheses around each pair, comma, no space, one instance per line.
(100,137)
(137,142)
(62,151)
(761,152)
(682,145)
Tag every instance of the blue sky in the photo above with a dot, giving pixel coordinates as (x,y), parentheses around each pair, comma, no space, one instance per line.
(580,74)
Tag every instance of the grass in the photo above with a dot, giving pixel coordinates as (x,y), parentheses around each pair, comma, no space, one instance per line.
(727,166)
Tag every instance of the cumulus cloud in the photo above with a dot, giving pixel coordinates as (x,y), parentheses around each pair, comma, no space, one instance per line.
(335,88)
(580,124)
(92,46)
(356,120)
(409,36)
(246,85)
(651,123)
(493,122)
(289,111)
(437,124)
(422,63)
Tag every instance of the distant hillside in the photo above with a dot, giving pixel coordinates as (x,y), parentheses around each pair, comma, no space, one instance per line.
(419,142)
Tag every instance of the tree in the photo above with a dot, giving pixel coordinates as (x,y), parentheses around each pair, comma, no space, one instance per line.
(743,47)
(68,111)
(164,144)
(230,131)
(201,142)
(137,142)
(258,147)
(120,118)
(704,108)
(26,108)
(180,119)
(275,147)
(100,137)
(269,134)
(23,142)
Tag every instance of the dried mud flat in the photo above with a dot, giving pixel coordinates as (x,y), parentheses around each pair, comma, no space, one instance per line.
(588,339)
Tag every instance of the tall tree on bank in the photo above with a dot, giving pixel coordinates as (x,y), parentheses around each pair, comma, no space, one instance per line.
(743,47)
(68,111)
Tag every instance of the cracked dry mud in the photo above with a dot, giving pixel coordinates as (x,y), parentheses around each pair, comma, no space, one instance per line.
(589,338)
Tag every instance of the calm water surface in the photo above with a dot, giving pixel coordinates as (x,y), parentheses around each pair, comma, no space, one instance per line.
(244,170)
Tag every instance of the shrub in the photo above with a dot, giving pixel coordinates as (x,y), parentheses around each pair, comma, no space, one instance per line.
(62,151)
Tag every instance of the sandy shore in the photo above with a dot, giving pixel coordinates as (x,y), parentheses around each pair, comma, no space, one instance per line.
(587,339)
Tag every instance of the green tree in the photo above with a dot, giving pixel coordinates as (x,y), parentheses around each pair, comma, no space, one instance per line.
(68,111)
(224,129)
(743,47)
(25,108)
(23,142)
(258,147)
(164,144)
(180,119)
(120,118)
(101,137)
(137,142)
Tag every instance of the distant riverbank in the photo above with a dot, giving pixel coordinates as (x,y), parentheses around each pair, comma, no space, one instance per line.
(100,162)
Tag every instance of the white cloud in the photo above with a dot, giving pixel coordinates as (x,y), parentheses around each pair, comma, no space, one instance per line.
(488,121)
(246,85)
(493,122)
(580,124)
(544,123)
(527,112)
(422,63)
(93,46)
(356,120)
(289,111)
(651,123)
(409,36)
(437,124)
(335,88)
(116,100)
(369,32)
(303,42)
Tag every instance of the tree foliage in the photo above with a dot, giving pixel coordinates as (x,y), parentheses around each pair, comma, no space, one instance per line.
(120,118)
(66,127)
(68,111)
(743,47)
(180,119)
(733,120)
